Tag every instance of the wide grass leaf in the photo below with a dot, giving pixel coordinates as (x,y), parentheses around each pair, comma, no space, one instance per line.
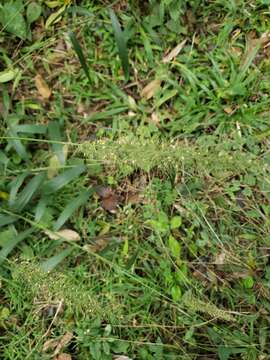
(55,135)
(120,42)
(78,49)
(52,262)
(9,239)
(71,207)
(28,192)
(15,186)
(7,219)
(63,179)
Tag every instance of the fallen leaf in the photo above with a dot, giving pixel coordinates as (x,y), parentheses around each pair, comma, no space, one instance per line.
(150,89)
(220,259)
(110,203)
(42,87)
(64,340)
(228,110)
(103,191)
(49,345)
(174,52)
(63,356)
(109,200)
(155,118)
(121,357)
(98,245)
(67,234)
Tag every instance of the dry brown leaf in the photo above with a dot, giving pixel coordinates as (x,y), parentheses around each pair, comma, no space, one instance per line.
(49,345)
(63,356)
(64,340)
(228,110)
(98,245)
(174,52)
(150,89)
(220,259)
(42,87)
(155,118)
(67,234)
(110,203)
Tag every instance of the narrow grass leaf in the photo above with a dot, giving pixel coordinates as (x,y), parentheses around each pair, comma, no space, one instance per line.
(6,220)
(55,135)
(63,179)
(120,42)
(41,208)
(105,114)
(15,186)
(9,239)
(70,208)
(17,145)
(28,192)
(31,129)
(78,49)
(52,262)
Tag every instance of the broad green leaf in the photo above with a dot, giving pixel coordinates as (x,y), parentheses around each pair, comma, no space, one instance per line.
(17,145)
(12,19)
(63,179)
(15,186)
(33,12)
(174,246)
(55,135)
(7,75)
(176,222)
(7,219)
(3,158)
(30,129)
(120,42)
(176,292)
(78,49)
(9,239)
(41,208)
(51,263)
(29,191)
(71,208)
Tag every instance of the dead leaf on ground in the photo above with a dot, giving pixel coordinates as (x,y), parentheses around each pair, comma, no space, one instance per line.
(150,89)
(49,345)
(64,340)
(155,118)
(109,200)
(174,52)
(220,259)
(98,245)
(63,356)
(66,234)
(42,87)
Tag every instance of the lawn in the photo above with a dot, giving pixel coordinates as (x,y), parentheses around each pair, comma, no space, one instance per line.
(134,179)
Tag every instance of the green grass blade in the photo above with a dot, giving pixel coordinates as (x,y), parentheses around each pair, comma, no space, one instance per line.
(9,239)
(70,208)
(52,262)
(6,220)
(30,129)
(41,208)
(120,42)
(63,179)
(78,49)
(15,186)
(55,135)
(28,192)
